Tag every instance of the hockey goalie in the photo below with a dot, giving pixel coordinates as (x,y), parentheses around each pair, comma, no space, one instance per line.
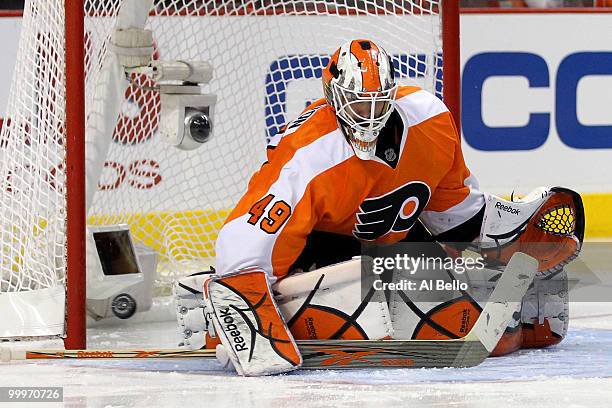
(371,163)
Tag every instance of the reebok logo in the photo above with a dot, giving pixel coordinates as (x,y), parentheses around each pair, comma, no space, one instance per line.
(232,330)
(310,328)
(507,208)
(465,321)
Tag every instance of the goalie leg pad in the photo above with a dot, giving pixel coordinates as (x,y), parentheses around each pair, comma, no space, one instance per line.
(545,315)
(449,314)
(191,313)
(328,303)
(425,313)
(249,325)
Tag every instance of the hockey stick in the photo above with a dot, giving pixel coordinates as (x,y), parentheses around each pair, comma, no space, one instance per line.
(467,351)
(7,354)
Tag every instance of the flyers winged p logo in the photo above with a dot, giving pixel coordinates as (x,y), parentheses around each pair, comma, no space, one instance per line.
(396,211)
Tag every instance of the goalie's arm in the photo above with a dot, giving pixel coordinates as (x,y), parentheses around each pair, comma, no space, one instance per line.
(285,200)
(455,210)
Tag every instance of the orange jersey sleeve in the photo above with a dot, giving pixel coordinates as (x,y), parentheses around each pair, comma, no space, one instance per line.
(284,200)
(456,198)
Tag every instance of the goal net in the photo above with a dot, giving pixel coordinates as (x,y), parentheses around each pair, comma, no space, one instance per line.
(267,57)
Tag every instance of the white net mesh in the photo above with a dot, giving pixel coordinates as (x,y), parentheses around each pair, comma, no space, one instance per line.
(267,56)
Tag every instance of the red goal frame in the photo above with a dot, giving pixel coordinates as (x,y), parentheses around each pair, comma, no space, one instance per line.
(76,310)
(75,150)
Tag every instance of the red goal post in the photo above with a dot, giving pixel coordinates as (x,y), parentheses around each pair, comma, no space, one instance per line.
(76,310)
(157,191)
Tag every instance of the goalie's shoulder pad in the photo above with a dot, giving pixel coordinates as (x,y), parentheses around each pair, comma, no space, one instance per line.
(249,324)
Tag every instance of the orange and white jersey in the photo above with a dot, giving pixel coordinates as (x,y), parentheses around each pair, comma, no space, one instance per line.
(313,181)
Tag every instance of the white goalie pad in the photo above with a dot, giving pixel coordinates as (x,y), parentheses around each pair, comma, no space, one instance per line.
(547,300)
(441,303)
(417,298)
(504,220)
(327,304)
(247,320)
(192,316)
(315,304)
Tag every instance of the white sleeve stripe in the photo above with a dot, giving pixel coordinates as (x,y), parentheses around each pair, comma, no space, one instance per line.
(439,222)
(420,106)
(241,244)
(275,140)
(307,163)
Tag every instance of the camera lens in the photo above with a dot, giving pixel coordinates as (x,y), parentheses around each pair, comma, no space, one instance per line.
(199,127)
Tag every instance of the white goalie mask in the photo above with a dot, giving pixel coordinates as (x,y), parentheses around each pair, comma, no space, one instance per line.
(359,84)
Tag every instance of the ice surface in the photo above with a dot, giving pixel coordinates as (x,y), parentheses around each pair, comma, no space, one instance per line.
(576,373)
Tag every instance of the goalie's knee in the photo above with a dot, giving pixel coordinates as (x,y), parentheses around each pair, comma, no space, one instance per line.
(327,303)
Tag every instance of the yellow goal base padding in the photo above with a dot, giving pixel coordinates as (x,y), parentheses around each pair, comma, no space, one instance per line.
(192,234)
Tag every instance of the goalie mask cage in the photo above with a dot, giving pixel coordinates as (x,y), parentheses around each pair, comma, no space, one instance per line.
(80,142)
